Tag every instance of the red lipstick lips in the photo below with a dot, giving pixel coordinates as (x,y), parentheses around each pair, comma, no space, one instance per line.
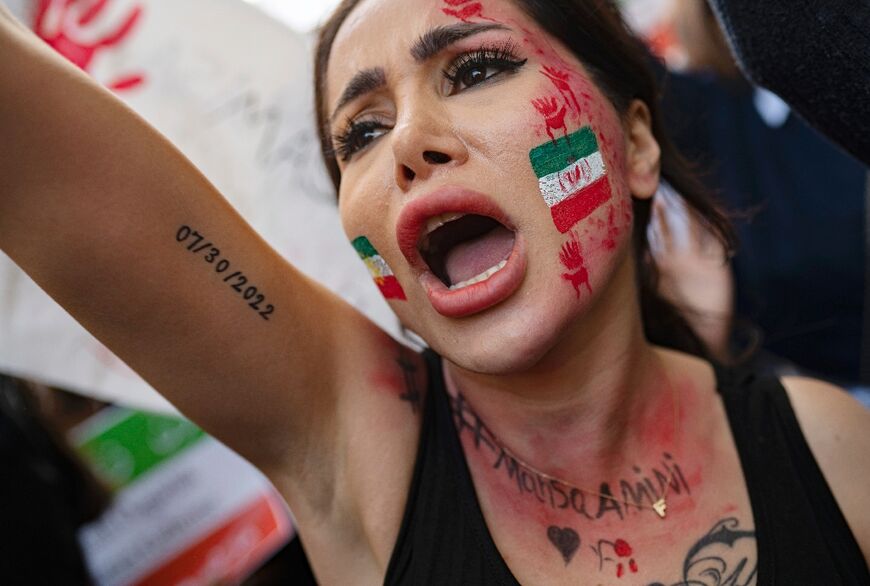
(469,299)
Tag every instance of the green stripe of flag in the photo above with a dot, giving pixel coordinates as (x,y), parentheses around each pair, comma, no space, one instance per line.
(135,444)
(364,248)
(554,156)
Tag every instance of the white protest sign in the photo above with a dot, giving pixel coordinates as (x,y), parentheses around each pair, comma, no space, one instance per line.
(186,509)
(231,87)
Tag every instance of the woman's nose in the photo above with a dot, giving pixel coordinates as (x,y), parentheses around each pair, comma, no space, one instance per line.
(423,144)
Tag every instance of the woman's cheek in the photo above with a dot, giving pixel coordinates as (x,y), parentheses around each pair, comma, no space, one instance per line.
(579,166)
(573,162)
(382,275)
(363,223)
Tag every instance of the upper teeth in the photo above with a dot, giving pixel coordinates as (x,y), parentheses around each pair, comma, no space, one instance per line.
(436,222)
(481,277)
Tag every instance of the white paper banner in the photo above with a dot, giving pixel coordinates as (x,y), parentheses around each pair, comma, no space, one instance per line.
(231,87)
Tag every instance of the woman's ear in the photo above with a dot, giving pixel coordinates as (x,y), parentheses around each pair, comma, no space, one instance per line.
(643,160)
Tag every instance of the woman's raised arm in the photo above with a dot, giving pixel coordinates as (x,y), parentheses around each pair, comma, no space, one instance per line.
(116,225)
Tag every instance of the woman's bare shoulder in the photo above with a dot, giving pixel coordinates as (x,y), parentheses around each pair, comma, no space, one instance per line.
(837,430)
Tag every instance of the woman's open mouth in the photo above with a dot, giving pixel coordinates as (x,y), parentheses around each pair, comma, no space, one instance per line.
(462,250)
(465,251)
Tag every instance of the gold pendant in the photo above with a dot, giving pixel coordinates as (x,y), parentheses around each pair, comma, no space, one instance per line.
(660,507)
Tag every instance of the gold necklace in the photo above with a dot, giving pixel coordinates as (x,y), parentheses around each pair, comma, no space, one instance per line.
(660,506)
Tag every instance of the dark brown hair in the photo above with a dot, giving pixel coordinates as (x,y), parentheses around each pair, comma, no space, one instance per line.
(619,64)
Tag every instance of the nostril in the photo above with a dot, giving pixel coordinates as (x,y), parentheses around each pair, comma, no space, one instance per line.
(408,173)
(435,158)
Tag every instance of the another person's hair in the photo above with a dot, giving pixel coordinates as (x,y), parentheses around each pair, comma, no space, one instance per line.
(619,64)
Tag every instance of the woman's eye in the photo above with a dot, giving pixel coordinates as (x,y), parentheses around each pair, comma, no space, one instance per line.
(356,137)
(475,75)
(476,67)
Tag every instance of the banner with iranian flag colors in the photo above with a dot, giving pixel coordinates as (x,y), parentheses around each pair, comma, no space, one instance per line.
(571,176)
(379,269)
(186,510)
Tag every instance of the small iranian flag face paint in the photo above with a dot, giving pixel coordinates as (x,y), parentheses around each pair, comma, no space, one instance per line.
(380,271)
(571,176)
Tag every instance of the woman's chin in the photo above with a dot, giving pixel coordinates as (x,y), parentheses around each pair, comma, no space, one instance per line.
(503,349)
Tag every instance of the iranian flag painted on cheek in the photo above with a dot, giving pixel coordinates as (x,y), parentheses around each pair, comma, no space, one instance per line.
(379,269)
(571,176)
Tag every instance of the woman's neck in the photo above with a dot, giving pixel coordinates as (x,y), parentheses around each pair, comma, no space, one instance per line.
(601,398)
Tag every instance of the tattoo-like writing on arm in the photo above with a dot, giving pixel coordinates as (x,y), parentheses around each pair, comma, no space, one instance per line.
(236,280)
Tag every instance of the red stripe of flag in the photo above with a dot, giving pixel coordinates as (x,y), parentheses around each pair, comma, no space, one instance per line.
(580,204)
(390,288)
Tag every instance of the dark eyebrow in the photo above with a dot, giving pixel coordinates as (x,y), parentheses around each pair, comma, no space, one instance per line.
(424,48)
(365,81)
(436,40)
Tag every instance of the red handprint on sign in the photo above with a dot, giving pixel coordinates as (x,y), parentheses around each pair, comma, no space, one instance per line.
(70,27)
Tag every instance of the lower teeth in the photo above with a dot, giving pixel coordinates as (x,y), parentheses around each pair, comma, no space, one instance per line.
(481,277)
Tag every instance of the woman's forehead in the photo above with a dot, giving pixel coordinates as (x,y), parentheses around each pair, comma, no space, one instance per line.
(378,32)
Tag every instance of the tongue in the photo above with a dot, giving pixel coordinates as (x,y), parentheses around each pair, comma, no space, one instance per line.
(473,257)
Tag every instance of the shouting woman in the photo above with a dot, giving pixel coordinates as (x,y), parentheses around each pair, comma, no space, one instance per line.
(495,163)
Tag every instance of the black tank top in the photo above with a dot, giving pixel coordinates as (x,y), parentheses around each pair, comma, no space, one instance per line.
(802,537)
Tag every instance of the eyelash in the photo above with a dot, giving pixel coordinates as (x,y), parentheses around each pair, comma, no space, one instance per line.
(502,57)
(347,143)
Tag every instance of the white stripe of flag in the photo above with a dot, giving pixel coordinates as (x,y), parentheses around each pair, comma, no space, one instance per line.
(378,267)
(578,175)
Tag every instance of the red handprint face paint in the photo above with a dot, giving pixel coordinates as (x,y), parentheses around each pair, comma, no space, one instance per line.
(571,256)
(554,115)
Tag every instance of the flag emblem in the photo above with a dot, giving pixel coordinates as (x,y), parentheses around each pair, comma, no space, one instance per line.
(379,269)
(571,176)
